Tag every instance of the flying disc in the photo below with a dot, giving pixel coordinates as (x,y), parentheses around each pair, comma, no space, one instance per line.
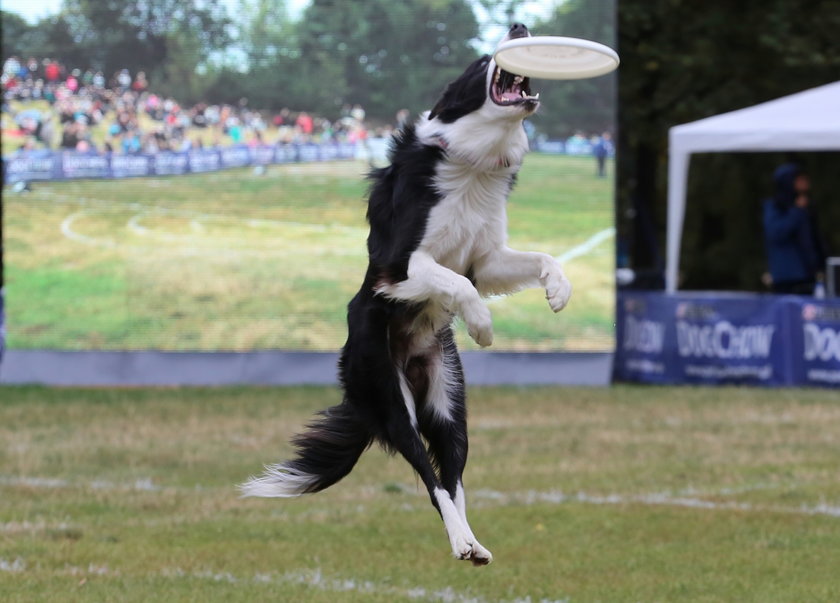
(555,57)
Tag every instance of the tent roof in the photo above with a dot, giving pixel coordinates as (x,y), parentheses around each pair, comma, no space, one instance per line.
(808,120)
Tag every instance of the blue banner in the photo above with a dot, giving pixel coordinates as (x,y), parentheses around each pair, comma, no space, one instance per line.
(816,339)
(65,165)
(716,338)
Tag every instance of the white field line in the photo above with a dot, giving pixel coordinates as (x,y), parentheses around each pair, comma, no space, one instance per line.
(214,246)
(316,579)
(489,498)
(68,232)
(587,246)
(144,484)
(311,578)
(94,206)
(14,566)
(556,497)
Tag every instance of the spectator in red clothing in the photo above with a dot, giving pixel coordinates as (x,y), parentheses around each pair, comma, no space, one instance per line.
(305,123)
(52,71)
(140,84)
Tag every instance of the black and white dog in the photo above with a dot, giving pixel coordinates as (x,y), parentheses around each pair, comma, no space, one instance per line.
(437,244)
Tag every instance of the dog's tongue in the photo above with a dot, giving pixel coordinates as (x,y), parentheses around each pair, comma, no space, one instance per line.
(511,95)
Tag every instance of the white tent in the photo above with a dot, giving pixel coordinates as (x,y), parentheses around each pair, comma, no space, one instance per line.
(805,121)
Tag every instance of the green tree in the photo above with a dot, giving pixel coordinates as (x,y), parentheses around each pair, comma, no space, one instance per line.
(679,64)
(384,55)
(17,34)
(148,35)
(588,104)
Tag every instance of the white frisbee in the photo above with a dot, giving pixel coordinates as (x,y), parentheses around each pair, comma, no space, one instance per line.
(555,57)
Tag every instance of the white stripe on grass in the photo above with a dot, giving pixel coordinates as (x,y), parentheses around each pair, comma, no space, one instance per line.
(141,484)
(13,567)
(555,497)
(691,498)
(587,246)
(201,243)
(316,579)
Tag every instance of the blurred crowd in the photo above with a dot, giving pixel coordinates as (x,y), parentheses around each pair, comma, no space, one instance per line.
(90,112)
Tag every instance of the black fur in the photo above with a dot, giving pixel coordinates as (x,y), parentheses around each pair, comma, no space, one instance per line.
(464,95)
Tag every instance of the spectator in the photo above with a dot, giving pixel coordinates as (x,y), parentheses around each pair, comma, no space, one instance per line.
(70,136)
(795,253)
(52,71)
(601,150)
(140,84)
(72,81)
(123,79)
(305,123)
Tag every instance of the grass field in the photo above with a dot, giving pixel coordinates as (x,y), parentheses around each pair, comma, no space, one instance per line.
(236,261)
(621,494)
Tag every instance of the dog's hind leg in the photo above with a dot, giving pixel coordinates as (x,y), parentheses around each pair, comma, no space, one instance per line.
(446,433)
(406,440)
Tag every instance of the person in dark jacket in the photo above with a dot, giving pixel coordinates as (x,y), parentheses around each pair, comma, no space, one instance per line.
(795,253)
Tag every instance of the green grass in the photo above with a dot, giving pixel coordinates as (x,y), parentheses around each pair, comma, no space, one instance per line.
(127,495)
(232,260)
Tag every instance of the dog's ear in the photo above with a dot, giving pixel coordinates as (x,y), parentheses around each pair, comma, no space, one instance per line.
(436,110)
(465,94)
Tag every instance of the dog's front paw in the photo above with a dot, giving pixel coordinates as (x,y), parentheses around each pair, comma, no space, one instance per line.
(558,290)
(479,324)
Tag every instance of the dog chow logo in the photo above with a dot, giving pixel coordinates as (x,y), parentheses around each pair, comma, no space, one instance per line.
(724,340)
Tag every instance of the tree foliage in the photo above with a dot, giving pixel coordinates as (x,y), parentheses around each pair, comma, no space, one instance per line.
(680,63)
(386,55)
(587,104)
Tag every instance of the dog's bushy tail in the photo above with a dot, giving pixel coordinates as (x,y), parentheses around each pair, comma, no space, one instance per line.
(326,452)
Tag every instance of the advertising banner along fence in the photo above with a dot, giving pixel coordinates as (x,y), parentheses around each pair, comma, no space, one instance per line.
(55,165)
(717,338)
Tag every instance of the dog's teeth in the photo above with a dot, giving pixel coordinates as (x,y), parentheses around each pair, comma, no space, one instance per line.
(524,95)
(518,79)
(537,96)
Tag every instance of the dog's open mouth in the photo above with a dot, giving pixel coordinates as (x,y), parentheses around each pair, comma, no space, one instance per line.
(510,89)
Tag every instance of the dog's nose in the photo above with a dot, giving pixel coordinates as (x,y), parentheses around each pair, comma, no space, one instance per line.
(518,30)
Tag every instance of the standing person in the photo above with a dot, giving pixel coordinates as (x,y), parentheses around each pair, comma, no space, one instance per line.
(795,253)
(601,150)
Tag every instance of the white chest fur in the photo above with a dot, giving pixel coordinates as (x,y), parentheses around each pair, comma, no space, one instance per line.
(470,220)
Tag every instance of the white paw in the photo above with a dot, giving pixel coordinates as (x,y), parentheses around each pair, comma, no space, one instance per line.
(479,324)
(480,555)
(558,290)
(466,550)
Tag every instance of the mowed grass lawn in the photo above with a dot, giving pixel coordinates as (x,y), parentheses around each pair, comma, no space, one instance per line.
(238,261)
(621,494)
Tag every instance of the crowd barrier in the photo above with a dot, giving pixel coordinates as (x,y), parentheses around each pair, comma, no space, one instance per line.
(66,165)
(720,338)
